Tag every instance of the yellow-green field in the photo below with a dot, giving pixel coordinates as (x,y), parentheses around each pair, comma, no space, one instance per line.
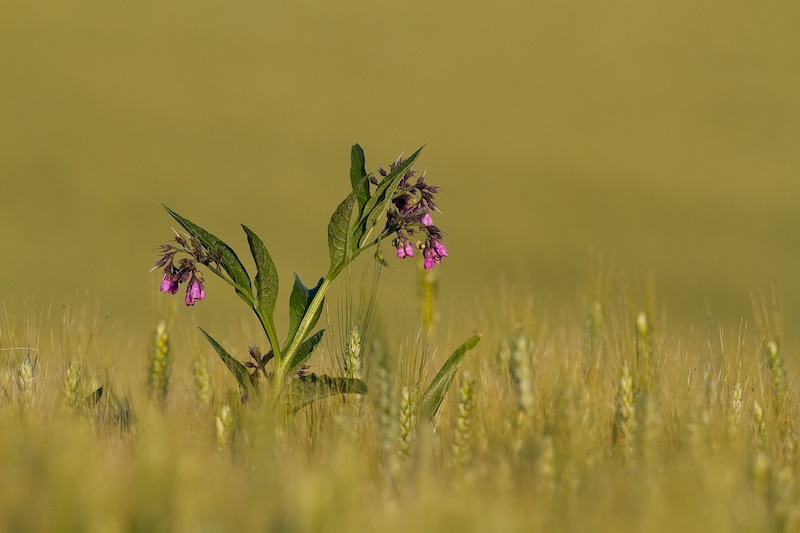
(639,156)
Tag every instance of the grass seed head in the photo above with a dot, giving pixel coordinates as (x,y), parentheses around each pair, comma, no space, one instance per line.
(521,363)
(407,421)
(202,381)
(160,365)
(465,414)
(624,428)
(72,385)
(25,380)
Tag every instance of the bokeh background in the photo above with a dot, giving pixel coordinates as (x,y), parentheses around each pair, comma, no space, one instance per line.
(648,141)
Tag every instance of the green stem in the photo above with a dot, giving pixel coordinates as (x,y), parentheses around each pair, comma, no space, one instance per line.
(282,366)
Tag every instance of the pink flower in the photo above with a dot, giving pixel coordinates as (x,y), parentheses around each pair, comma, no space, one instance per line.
(169,284)
(195,292)
(434,252)
(427,220)
(401,251)
(409,249)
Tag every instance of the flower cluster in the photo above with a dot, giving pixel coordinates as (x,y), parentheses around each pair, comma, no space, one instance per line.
(410,213)
(177,272)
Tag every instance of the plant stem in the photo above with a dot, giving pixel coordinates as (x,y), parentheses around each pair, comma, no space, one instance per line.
(282,365)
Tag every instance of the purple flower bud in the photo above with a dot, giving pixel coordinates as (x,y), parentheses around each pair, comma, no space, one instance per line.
(428,263)
(195,292)
(409,249)
(169,284)
(426,220)
(440,249)
(401,251)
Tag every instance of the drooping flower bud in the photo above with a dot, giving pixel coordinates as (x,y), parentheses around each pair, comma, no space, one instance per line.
(169,284)
(428,263)
(195,292)
(426,220)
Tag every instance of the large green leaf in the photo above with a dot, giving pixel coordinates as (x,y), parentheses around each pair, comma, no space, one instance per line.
(376,205)
(238,369)
(340,238)
(304,352)
(299,301)
(228,259)
(432,398)
(358,176)
(266,282)
(308,389)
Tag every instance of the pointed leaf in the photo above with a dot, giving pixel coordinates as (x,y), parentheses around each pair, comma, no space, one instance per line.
(266,282)
(376,205)
(304,352)
(299,301)
(308,389)
(228,259)
(237,369)
(432,399)
(358,175)
(340,238)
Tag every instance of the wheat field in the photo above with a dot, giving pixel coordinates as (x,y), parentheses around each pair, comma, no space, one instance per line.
(596,421)
(619,200)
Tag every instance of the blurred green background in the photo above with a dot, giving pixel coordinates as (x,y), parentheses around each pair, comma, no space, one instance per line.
(662,138)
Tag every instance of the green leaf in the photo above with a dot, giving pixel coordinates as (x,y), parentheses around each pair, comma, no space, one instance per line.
(376,205)
(358,175)
(308,389)
(340,238)
(432,398)
(238,369)
(304,352)
(228,259)
(299,301)
(266,282)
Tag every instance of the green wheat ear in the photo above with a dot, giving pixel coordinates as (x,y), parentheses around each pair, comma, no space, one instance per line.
(762,462)
(202,381)
(224,429)
(25,380)
(546,465)
(407,420)
(73,385)
(645,353)
(735,407)
(464,436)
(778,371)
(624,427)
(160,365)
(521,363)
(384,401)
(354,369)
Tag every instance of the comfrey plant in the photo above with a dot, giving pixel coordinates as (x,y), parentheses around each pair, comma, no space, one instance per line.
(408,203)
